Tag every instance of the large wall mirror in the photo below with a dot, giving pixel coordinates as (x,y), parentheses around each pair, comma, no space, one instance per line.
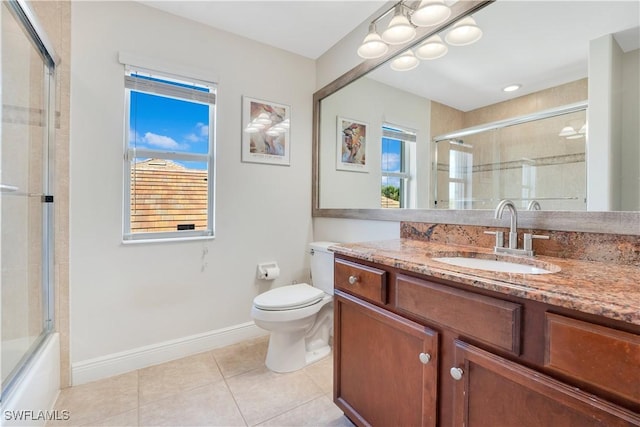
(417,144)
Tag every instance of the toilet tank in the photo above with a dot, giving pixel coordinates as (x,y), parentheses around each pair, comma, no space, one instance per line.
(322,266)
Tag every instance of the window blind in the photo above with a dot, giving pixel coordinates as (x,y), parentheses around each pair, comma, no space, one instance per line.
(398,134)
(166,89)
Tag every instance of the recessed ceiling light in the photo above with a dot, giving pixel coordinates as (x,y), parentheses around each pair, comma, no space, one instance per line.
(511,88)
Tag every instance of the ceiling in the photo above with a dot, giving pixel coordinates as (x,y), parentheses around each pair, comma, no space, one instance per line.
(305,27)
(537,44)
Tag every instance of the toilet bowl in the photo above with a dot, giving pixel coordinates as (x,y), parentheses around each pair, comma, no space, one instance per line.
(299,316)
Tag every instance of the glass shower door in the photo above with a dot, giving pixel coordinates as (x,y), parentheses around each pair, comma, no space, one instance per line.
(24,210)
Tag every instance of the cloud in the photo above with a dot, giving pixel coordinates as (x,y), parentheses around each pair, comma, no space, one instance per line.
(192,137)
(204,129)
(200,133)
(162,141)
(390,161)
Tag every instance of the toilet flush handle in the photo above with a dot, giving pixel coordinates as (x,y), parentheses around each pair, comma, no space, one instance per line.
(353,280)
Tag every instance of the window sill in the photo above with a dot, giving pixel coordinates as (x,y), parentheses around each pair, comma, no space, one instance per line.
(167,240)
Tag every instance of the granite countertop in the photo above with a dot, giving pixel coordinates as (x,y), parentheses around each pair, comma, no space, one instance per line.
(605,289)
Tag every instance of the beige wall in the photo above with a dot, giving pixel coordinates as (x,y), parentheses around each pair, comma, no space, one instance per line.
(543,100)
(55,17)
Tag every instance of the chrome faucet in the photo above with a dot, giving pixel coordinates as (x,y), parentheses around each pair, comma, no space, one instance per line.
(534,205)
(513,230)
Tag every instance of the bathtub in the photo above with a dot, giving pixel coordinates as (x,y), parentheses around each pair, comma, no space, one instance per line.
(30,401)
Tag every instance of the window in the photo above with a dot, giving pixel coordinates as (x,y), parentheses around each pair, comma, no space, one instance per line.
(169,156)
(460,175)
(397,148)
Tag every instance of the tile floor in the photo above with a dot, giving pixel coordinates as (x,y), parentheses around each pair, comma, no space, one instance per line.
(229,386)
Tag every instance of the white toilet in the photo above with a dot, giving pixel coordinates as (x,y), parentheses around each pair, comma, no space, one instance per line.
(300,317)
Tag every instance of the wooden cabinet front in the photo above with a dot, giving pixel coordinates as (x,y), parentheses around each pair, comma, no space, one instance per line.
(385,367)
(362,281)
(493,391)
(490,320)
(595,355)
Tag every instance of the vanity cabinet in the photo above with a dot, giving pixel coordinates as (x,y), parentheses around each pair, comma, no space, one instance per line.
(492,391)
(385,370)
(412,350)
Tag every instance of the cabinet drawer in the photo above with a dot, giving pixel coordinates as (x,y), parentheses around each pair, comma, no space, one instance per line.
(366,282)
(594,354)
(489,320)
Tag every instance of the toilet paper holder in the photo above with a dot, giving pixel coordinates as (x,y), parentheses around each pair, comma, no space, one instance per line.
(268,270)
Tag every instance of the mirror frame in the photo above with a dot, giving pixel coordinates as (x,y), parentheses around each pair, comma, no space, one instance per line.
(613,222)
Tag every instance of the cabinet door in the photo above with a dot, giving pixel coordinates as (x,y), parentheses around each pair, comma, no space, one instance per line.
(385,366)
(493,391)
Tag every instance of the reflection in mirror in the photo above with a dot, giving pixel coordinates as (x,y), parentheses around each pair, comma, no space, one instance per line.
(536,161)
(559,53)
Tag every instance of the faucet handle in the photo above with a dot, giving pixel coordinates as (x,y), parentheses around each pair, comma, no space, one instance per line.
(499,238)
(528,238)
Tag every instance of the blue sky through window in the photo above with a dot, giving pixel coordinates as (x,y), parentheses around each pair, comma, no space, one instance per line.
(168,124)
(391,160)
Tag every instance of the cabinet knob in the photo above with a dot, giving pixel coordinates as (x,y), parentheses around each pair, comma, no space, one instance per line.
(353,280)
(425,358)
(456,373)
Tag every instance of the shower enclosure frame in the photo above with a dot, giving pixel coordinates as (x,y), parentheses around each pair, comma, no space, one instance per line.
(496,125)
(29,22)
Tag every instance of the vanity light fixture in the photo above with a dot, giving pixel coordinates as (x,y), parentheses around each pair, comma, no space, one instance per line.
(464,32)
(432,48)
(263,123)
(580,134)
(511,88)
(263,119)
(405,62)
(569,132)
(400,29)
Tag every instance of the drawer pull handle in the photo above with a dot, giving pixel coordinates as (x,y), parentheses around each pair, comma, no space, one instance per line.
(456,373)
(353,280)
(425,358)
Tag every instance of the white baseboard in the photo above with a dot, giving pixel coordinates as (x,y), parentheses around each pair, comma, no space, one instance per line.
(119,363)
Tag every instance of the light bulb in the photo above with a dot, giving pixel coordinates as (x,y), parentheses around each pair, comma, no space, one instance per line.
(372,46)
(263,119)
(405,62)
(511,88)
(464,32)
(399,30)
(567,131)
(432,48)
(430,12)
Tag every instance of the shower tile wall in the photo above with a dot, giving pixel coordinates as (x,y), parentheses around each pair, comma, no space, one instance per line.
(501,164)
(55,17)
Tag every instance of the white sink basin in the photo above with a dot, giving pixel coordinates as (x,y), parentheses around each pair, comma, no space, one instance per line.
(492,265)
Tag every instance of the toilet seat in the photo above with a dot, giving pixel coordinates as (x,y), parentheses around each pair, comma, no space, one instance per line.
(288,297)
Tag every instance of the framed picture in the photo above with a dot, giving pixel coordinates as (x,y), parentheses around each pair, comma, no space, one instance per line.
(352,145)
(265,132)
